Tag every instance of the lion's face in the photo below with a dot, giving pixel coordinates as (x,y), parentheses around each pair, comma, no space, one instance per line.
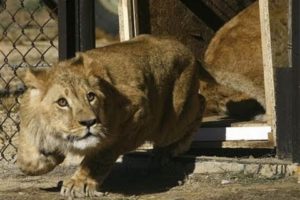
(60,112)
(74,106)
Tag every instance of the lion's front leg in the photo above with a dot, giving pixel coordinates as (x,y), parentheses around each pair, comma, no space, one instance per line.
(80,185)
(90,175)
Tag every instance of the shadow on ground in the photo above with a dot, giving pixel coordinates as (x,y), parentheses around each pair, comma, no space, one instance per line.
(127,180)
(130,178)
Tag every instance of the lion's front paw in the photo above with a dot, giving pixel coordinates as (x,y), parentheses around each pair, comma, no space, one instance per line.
(80,188)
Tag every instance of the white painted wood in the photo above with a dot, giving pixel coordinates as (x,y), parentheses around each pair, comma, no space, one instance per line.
(125,19)
(233,133)
(268,64)
(128,19)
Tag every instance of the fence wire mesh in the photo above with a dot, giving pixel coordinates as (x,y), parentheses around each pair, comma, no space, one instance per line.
(28,37)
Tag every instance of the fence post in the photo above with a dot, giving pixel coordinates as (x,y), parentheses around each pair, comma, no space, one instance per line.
(85,24)
(76,24)
(66,29)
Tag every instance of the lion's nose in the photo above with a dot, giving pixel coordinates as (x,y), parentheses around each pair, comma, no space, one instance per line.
(88,123)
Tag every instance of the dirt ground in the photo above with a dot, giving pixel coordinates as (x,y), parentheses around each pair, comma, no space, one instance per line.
(169,183)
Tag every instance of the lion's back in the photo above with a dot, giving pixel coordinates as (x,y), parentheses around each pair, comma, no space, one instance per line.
(160,58)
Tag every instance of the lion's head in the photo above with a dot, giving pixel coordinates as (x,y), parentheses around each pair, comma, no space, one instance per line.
(60,112)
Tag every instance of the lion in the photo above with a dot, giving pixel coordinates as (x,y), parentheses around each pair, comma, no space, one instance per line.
(106,102)
(234,59)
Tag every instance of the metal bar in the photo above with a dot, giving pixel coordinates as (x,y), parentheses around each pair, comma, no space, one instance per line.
(85,30)
(143,15)
(66,29)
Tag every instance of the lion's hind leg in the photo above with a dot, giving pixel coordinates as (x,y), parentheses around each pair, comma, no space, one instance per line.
(164,152)
(194,111)
(163,155)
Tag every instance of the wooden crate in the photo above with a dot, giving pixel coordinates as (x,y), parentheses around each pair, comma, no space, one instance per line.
(190,25)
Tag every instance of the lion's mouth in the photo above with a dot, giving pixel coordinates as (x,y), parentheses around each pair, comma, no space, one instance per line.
(88,134)
(88,141)
(73,138)
(85,139)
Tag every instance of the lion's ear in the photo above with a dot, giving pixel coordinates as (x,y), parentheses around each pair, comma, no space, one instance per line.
(81,59)
(87,60)
(34,78)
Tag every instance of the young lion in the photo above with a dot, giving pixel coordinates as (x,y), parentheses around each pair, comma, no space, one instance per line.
(106,102)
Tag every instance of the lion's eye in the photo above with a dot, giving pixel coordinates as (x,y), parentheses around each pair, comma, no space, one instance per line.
(91,96)
(62,102)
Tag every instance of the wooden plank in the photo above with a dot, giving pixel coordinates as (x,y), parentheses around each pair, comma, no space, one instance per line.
(126,20)
(277,59)
(259,136)
(268,64)
(220,144)
(225,121)
(234,144)
(233,133)
(230,137)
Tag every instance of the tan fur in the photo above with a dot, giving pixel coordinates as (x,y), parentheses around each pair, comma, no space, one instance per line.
(234,56)
(146,90)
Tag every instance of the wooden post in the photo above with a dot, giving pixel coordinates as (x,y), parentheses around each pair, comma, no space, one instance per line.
(128,19)
(284,110)
(268,64)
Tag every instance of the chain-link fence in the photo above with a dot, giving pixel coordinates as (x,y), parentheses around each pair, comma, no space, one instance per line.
(28,37)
